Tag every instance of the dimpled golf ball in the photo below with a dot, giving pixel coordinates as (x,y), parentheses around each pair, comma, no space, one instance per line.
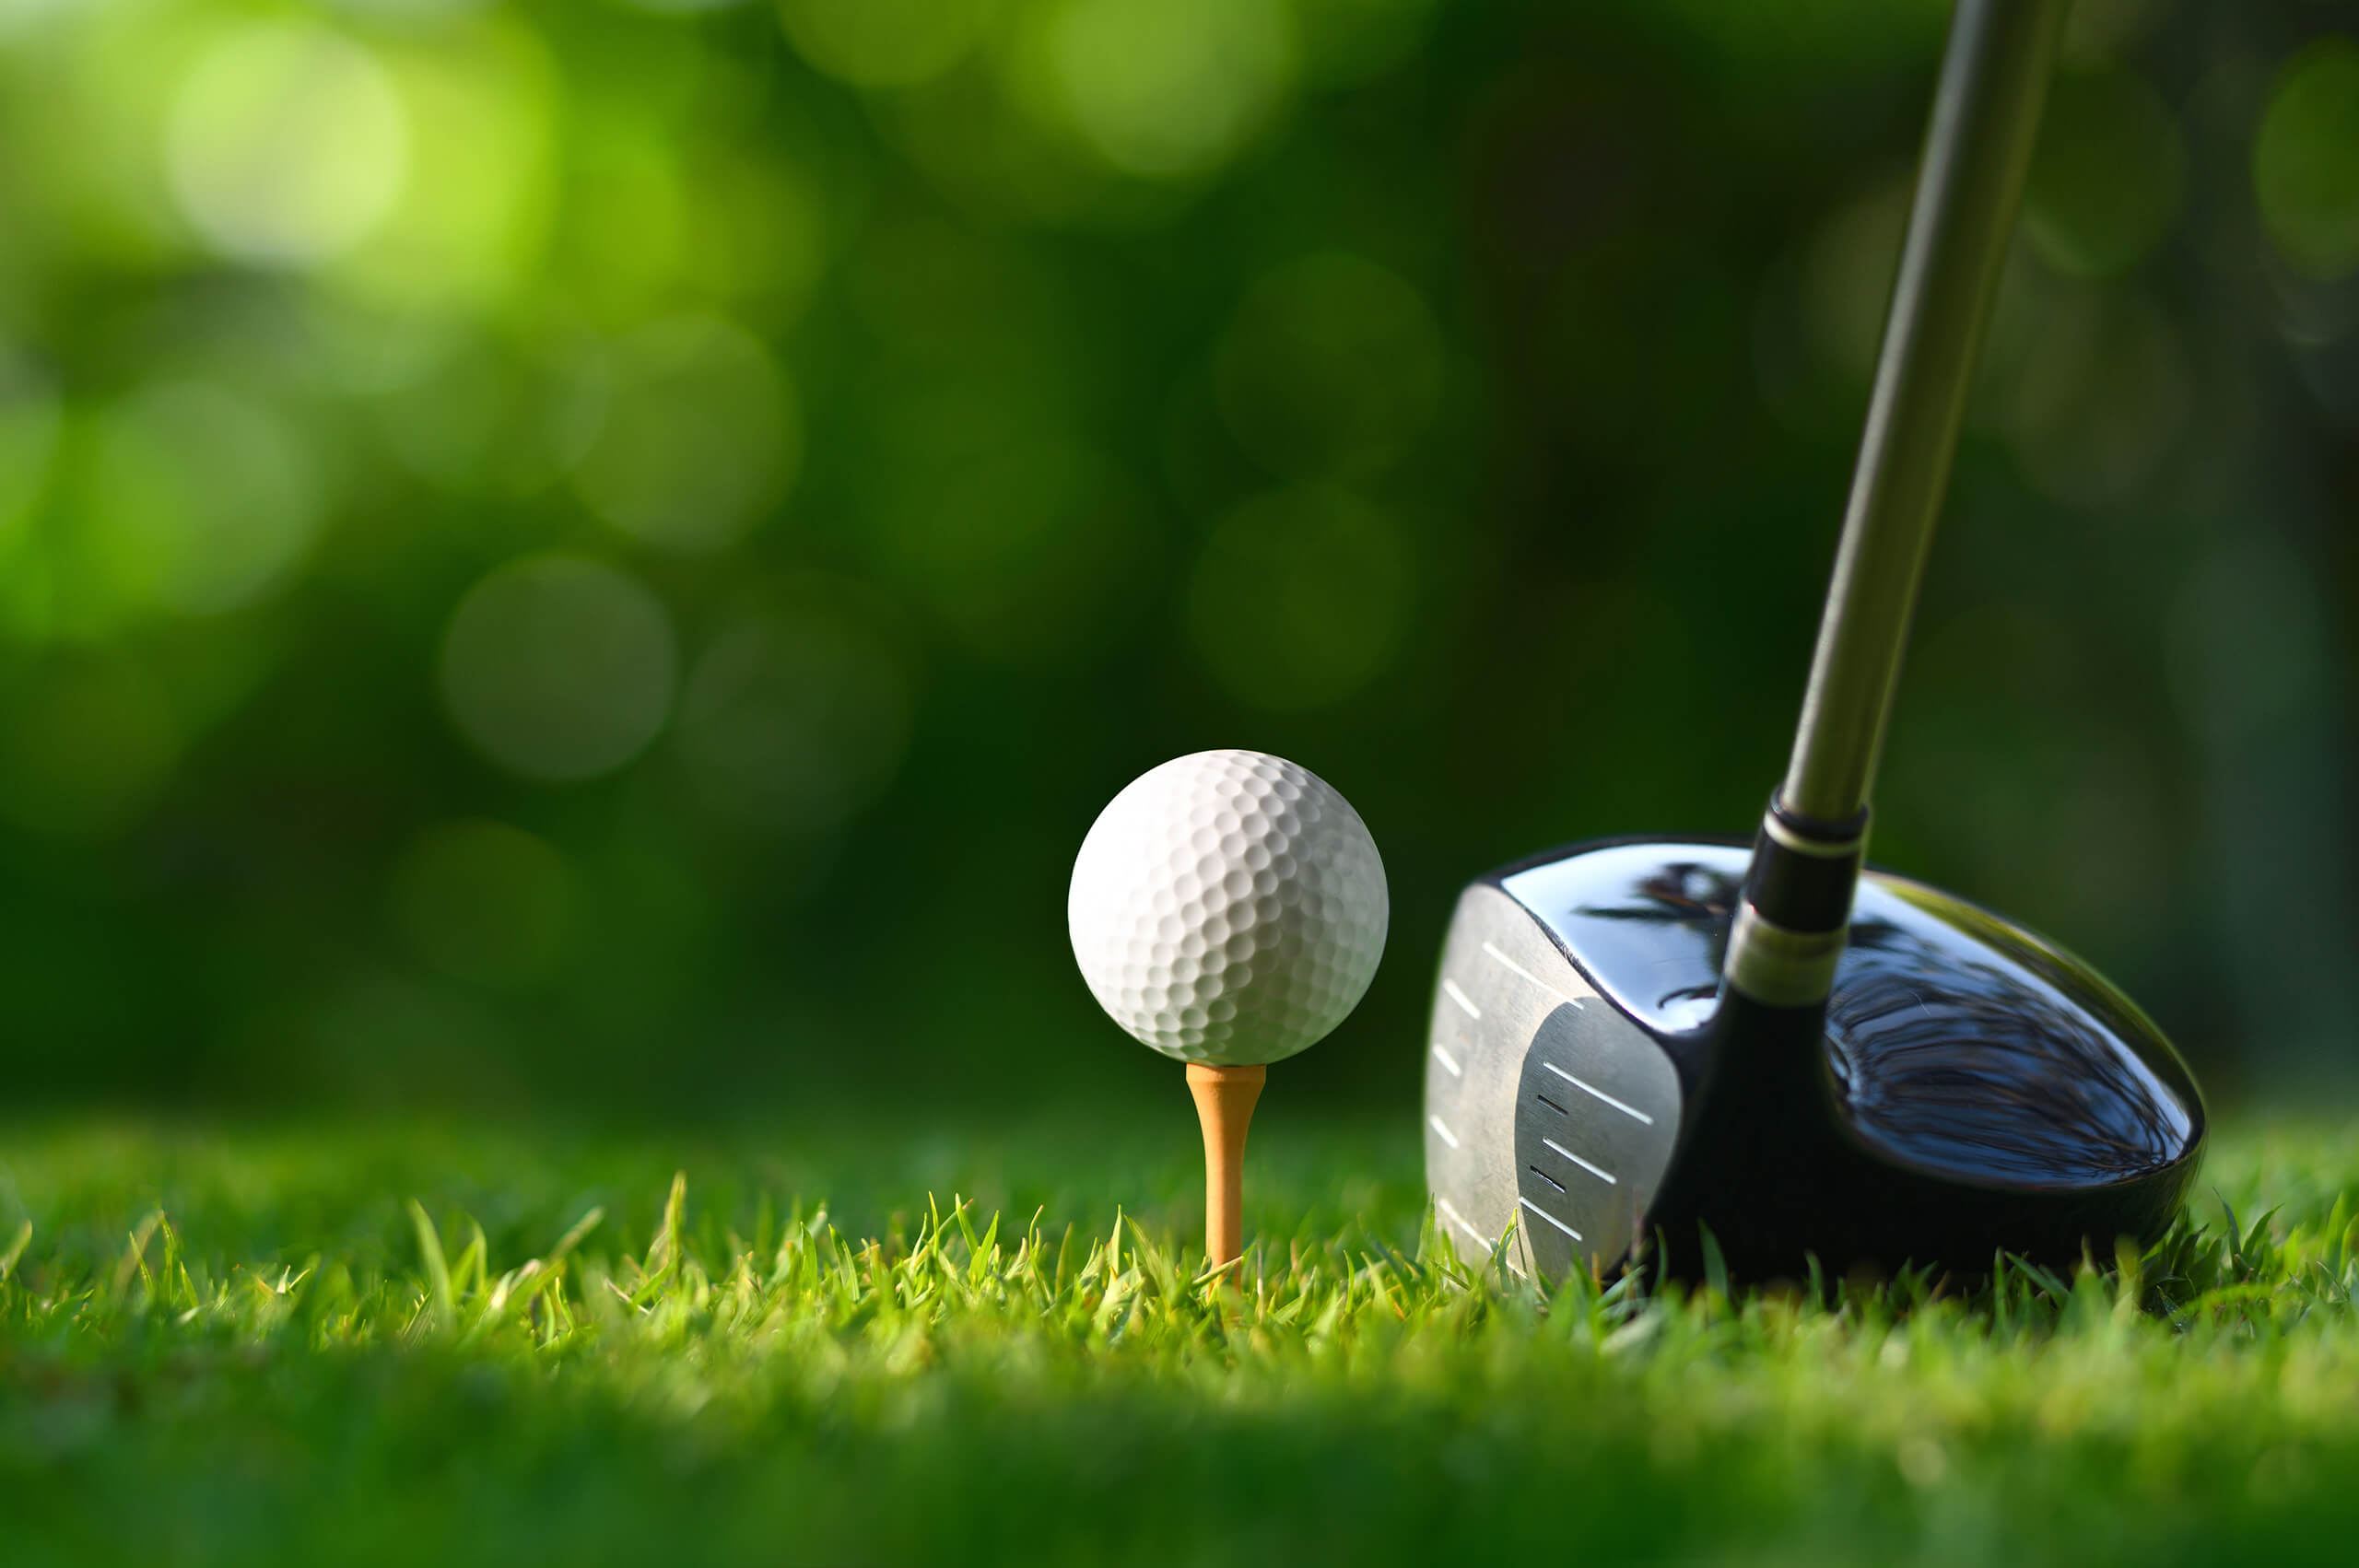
(1228,908)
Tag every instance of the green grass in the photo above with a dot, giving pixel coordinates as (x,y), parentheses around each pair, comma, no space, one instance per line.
(428,1345)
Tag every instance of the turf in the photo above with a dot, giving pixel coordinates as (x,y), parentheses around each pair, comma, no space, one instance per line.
(440,1345)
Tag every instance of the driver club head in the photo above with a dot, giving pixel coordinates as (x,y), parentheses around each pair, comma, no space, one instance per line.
(1592,1086)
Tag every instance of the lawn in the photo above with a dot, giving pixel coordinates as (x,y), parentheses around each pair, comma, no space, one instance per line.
(441,1344)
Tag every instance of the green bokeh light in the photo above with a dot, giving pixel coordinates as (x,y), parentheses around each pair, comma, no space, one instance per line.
(1171,89)
(1332,364)
(623,236)
(496,416)
(798,712)
(485,901)
(1345,42)
(2107,176)
(701,436)
(89,742)
(196,498)
(1847,277)
(559,668)
(2101,399)
(2306,160)
(474,211)
(286,144)
(1301,598)
(30,420)
(884,43)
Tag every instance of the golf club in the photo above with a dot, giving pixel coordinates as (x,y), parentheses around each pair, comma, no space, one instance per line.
(1661,1041)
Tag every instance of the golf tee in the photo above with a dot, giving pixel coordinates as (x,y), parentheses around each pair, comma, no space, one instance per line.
(1225,1098)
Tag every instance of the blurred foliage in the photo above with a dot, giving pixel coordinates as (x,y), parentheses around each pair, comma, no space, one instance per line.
(610,551)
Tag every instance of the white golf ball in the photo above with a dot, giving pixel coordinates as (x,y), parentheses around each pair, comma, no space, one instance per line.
(1228,908)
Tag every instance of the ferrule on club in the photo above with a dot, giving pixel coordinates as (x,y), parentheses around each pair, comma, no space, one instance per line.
(1225,1100)
(1795,912)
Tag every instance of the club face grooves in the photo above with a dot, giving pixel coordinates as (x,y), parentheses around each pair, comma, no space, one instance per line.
(1522,1120)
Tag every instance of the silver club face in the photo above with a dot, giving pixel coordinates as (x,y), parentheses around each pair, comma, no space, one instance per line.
(1520,1040)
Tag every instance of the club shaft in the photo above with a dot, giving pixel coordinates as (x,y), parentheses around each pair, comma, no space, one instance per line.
(1986,113)
(1789,929)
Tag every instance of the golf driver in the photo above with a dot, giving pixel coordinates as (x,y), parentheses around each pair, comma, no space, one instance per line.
(1640,1042)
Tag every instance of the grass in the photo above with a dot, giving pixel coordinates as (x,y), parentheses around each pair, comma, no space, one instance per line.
(439,1345)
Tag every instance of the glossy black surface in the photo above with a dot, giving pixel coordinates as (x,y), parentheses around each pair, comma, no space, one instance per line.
(1967,1089)
(1955,1042)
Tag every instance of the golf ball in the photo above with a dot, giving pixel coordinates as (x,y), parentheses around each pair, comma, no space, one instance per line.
(1228,908)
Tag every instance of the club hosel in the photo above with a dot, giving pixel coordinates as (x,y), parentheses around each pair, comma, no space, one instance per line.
(1796,910)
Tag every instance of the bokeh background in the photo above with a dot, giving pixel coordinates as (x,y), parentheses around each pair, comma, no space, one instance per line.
(600,557)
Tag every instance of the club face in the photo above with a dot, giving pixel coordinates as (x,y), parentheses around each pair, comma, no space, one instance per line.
(1970,1087)
(1545,1104)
